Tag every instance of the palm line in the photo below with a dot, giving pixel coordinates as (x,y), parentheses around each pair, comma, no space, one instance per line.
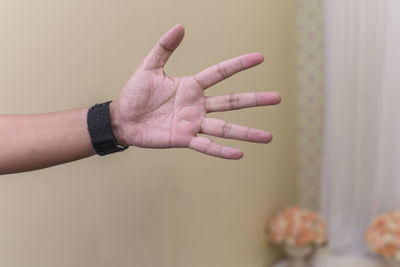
(161,104)
(173,110)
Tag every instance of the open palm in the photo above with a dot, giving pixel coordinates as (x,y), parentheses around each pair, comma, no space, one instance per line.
(158,111)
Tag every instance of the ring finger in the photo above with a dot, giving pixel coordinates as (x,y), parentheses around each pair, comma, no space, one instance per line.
(220,128)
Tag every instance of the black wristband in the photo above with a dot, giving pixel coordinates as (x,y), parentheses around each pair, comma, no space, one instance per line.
(100,130)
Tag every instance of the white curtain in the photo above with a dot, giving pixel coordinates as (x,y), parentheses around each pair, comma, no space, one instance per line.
(361,158)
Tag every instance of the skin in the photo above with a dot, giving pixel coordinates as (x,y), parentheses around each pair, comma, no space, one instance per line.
(154,110)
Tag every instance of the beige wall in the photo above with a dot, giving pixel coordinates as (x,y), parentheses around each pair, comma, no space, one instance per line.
(173,208)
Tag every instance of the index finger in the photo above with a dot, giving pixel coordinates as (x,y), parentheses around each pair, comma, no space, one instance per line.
(225,69)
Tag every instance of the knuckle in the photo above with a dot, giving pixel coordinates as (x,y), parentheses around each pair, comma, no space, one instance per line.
(234,101)
(222,70)
(226,129)
(241,63)
(208,147)
(247,135)
(198,82)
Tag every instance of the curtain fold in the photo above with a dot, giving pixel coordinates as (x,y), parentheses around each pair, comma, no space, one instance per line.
(361,157)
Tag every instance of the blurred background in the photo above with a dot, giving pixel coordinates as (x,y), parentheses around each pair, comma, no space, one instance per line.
(146,207)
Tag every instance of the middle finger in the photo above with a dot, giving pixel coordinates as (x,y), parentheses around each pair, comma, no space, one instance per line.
(242,100)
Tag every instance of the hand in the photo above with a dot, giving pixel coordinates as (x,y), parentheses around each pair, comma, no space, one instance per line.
(155,110)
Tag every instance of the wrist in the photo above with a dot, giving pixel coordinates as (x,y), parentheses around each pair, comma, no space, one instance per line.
(116,124)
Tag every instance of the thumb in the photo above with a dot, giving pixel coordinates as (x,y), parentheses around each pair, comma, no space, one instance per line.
(159,55)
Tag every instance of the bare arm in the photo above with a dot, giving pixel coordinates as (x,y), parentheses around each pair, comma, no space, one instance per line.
(154,110)
(37,141)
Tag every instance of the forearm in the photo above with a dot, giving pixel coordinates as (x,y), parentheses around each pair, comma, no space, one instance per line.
(30,142)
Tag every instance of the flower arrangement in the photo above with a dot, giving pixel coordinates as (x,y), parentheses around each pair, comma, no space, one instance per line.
(298,227)
(383,236)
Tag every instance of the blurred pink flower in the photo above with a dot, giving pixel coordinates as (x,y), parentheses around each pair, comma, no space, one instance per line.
(383,236)
(298,227)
